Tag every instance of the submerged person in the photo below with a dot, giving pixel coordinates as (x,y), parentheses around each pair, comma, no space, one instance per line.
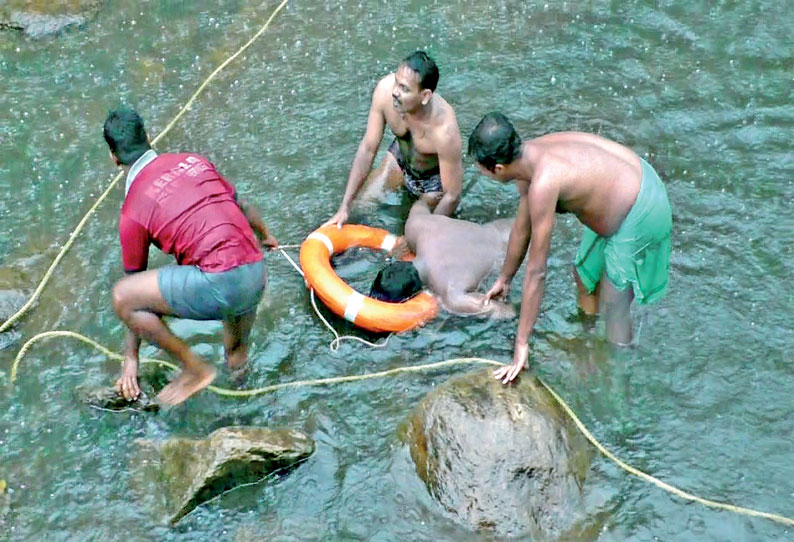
(452,258)
(622,202)
(182,205)
(426,154)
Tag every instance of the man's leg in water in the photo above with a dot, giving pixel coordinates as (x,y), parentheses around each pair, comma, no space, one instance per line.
(387,175)
(236,331)
(616,309)
(139,303)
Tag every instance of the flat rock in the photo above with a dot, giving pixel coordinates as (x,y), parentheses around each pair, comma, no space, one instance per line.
(187,472)
(108,398)
(504,459)
(10,302)
(38,19)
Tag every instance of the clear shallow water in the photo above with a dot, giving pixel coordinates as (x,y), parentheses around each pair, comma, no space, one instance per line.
(704,91)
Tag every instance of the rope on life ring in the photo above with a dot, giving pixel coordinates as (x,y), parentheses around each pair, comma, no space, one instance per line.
(363,311)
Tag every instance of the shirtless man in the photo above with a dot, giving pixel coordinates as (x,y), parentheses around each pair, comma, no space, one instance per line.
(425,156)
(181,204)
(625,251)
(452,258)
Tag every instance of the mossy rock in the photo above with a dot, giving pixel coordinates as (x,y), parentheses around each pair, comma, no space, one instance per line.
(184,473)
(498,458)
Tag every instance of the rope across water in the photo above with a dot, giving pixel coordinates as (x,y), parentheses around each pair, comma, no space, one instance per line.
(334,344)
(80,225)
(416,369)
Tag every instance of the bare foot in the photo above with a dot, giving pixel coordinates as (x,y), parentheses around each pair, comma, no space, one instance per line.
(187,383)
(127,384)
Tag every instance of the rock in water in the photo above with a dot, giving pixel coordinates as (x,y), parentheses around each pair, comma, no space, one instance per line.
(109,398)
(10,302)
(500,458)
(5,504)
(191,472)
(41,19)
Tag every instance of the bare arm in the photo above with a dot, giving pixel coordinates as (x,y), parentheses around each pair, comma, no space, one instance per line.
(541,207)
(257,224)
(516,245)
(450,163)
(365,155)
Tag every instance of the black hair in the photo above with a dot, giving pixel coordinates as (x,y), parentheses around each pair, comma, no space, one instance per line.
(425,67)
(494,141)
(397,282)
(125,135)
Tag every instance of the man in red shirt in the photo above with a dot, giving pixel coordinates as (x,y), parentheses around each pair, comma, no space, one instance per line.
(182,205)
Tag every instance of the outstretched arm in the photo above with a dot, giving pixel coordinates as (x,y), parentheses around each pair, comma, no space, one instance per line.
(450,163)
(254,218)
(541,208)
(516,245)
(365,154)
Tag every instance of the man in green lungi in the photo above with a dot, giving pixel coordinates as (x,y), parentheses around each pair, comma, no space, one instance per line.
(625,251)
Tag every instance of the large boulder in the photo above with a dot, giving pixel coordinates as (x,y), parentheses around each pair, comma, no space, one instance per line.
(189,472)
(38,19)
(500,458)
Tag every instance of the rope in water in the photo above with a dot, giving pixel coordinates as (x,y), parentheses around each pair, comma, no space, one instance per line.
(334,345)
(73,236)
(415,369)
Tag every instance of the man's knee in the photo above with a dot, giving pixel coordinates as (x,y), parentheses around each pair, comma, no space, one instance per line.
(121,300)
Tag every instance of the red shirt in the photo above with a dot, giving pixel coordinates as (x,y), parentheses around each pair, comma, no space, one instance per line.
(181,203)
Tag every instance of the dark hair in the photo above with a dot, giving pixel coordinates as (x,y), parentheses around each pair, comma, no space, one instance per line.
(125,135)
(397,282)
(425,67)
(494,141)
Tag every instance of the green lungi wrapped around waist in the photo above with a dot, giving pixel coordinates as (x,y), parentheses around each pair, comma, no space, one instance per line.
(638,254)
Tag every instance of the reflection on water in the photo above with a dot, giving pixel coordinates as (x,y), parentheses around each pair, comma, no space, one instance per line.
(702,90)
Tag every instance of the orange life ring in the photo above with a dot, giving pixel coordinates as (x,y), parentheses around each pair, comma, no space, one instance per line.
(363,311)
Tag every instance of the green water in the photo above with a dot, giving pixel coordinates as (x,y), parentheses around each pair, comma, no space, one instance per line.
(702,89)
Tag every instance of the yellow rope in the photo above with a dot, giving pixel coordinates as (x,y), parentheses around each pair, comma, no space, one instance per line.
(334,344)
(73,236)
(415,369)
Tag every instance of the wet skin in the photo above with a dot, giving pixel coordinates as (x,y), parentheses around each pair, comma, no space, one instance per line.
(597,180)
(428,136)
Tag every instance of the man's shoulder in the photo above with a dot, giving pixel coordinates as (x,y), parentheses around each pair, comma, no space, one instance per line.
(383,89)
(446,129)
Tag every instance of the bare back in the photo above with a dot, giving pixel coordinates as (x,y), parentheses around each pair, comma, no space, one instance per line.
(596,179)
(454,256)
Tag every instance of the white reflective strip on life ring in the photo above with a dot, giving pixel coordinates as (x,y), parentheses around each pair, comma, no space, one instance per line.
(388,242)
(324,239)
(354,304)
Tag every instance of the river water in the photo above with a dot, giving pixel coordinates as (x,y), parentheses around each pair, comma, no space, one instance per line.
(702,89)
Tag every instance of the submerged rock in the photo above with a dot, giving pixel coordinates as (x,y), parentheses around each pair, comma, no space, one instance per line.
(5,503)
(38,19)
(109,398)
(501,458)
(10,302)
(187,473)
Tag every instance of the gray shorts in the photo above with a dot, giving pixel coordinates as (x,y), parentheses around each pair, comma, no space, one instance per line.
(191,293)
